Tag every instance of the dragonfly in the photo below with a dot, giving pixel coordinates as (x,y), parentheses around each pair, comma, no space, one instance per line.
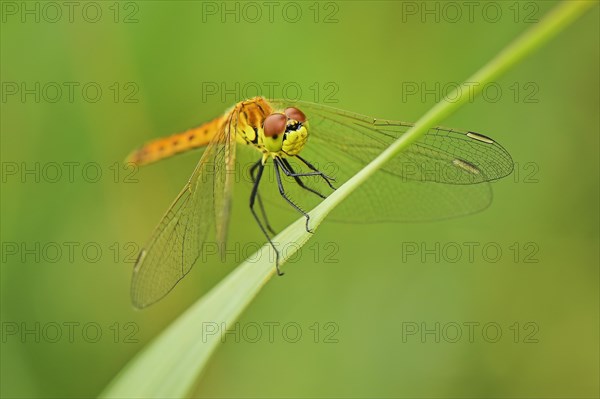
(301,152)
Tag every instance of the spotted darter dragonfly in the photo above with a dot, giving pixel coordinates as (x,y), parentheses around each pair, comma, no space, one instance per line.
(301,151)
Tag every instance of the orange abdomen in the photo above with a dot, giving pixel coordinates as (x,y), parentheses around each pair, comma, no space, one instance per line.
(165,147)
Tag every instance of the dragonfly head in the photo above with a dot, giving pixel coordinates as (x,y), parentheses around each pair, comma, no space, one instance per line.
(285,133)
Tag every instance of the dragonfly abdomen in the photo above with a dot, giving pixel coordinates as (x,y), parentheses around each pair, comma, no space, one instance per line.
(165,147)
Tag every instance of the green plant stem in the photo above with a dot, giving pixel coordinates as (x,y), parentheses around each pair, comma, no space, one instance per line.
(171,364)
(553,22)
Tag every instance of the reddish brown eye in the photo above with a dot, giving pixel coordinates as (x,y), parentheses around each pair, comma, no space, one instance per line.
(296,114)
(274,124)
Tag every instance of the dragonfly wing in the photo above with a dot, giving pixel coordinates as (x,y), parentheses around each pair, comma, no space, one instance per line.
(442,155)
(224,178)
(384,198)
(199,212)
(341,143)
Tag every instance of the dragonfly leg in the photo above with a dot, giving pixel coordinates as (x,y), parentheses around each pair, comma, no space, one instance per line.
(253,197)
(289,171)
(284,195)
(259,199)
(328,179)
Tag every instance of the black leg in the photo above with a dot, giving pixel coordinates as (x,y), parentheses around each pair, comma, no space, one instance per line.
(289,171)
(282,192)
(318,172)
(253,197)
(259,199)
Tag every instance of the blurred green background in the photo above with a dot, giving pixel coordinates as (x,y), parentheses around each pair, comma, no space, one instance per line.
(362,303)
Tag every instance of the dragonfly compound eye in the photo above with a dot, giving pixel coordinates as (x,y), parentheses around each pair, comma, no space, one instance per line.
(274,125)
(295,113)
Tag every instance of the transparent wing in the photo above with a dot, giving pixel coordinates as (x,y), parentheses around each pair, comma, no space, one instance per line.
(199,213)
(341,143)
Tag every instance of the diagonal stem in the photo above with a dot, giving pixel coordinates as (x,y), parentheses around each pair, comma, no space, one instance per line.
(171,364)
